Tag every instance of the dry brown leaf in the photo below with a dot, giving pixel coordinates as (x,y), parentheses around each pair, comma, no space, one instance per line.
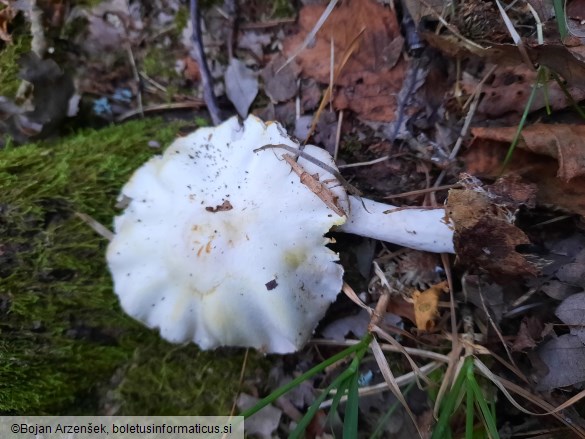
(562,61)
(192,71)
(372,76)
(508,92)
(397,305)
(530,331)
(484,235)
(426,306)
(556,57)
(563,142)
(485,157)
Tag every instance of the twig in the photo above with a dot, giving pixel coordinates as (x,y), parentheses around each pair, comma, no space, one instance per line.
(136,76)
(401,110)
(463,132)
(161,107)
(267,24)
(371,162)
(206,80)
(230,10)
(422,191)
(298,153)
(338,134)
(383,387)
(319,188)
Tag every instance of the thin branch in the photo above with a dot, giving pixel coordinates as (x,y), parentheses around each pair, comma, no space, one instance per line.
(206,79)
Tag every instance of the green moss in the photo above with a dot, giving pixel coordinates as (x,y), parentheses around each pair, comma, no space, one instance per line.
(9,56)
(282,8)
(65,342)
(157,63)
(181,19)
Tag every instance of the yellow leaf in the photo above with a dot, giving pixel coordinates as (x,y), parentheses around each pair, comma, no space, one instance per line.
(426,306)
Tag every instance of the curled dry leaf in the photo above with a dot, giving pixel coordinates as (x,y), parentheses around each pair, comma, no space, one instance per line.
(506,92)
(530,330)
(563,142)
(484,234)
(485,157)
(373,75)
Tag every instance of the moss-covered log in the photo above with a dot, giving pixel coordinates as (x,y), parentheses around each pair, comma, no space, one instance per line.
(65,345)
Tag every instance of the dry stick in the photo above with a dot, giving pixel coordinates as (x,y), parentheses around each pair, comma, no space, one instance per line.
(161,107)
(368,163)
(386,347)
(494,326)
(206,80)
(462,134)
(231,11)
(240,382)
(383,387)
(267,24)
(466,124)
(317,187)
(298,153)
(422,191)
(338,134)
(401,110)
(136,75)
(346,55)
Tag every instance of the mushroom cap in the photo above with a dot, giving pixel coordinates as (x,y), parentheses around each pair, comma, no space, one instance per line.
(225,246)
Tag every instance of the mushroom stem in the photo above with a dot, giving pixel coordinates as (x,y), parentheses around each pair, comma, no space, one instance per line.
(420,229)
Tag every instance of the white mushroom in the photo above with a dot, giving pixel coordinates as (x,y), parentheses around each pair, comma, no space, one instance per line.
(225,246)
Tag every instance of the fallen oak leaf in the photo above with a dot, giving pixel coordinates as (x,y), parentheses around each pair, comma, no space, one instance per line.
(563,142)
(373,74)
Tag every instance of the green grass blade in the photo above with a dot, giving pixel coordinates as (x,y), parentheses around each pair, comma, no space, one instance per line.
(350,421)
(337,398)
(362,345)
(469,415)
(487,415)
(522,120)
(559,7)
(442,429)
(341,383)
(306,420)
